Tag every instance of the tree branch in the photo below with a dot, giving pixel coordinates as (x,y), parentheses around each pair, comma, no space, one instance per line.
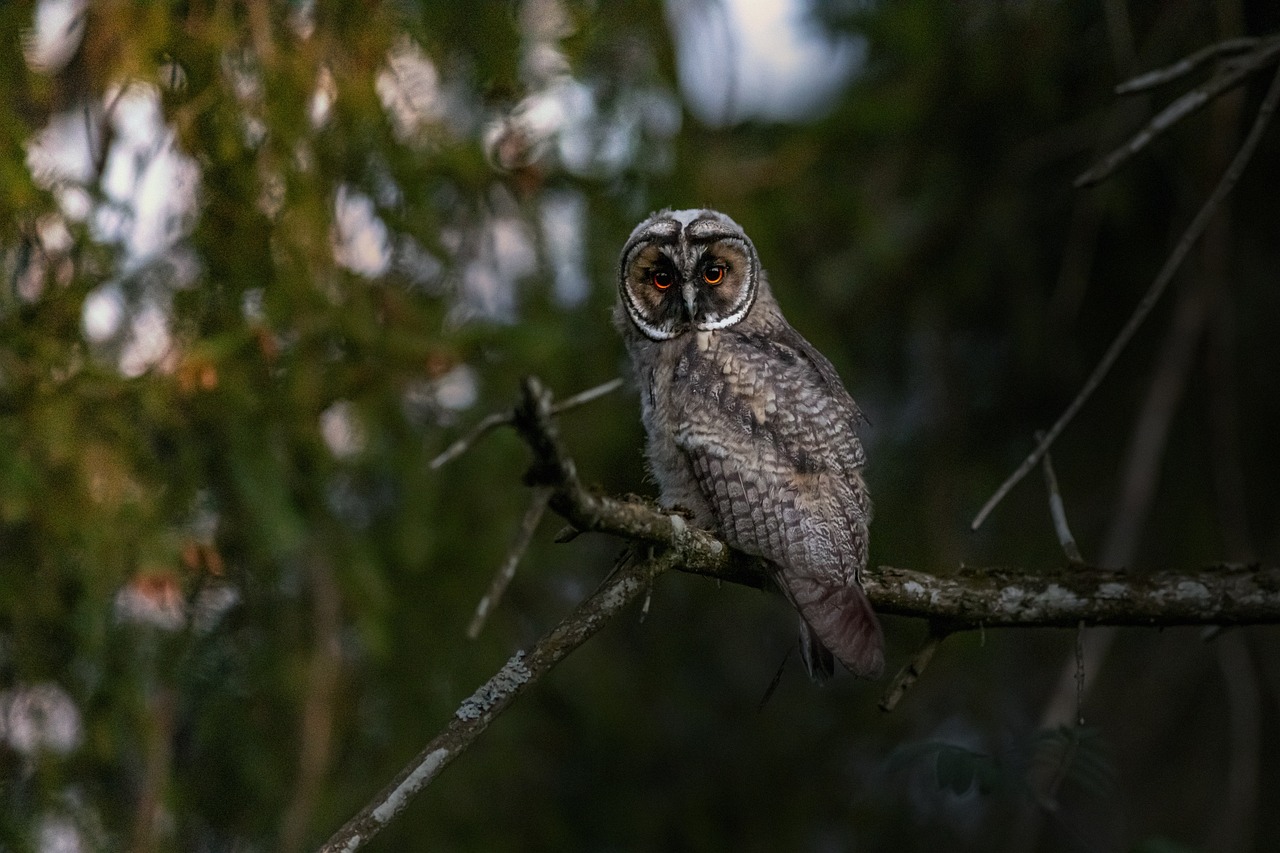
(1149,299)
(910,674)
(497,419)
(1230,75)
(1227,594)
(494,696)
(1058,511)
(1006,598)
(973,598)
(507,571)
(1184,66)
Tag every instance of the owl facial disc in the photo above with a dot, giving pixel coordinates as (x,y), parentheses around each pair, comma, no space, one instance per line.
(687,270)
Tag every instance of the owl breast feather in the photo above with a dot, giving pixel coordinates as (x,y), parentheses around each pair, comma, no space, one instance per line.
(771,451)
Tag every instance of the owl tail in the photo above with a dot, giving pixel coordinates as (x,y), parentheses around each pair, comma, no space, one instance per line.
(839,622)
(817,658)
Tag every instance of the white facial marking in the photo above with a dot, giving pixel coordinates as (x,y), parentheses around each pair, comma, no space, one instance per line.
(685,217)
(712,322)
(657,333)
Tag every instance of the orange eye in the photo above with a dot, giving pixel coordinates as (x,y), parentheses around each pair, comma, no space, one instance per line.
(713,275)
(662,279)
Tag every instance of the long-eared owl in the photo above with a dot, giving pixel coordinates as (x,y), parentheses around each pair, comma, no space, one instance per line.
(749,427)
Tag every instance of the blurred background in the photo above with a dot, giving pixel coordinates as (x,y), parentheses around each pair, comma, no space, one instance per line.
(262,261)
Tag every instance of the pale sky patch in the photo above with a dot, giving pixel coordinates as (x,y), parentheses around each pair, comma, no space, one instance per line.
(360,239)
(58,31)
(758,59)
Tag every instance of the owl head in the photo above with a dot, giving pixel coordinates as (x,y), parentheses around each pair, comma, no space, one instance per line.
(687,270)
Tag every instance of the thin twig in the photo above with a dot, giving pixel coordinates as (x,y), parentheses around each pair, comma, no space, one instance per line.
(494,696)
(1057,511)
(910,674)
(584,397)
(1186,65)
(1231,74)
(507,571)
(1149,299)
(492,421)
(588,511)
(486,425)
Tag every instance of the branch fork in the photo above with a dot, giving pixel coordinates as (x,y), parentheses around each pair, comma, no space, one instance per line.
(971,599)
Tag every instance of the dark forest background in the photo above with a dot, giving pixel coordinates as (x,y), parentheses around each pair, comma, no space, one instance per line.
(263,261)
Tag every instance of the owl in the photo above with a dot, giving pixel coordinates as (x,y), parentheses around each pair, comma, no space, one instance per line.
(749,427)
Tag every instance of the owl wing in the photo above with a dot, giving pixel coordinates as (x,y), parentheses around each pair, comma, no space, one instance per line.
(827,378)
(771,441)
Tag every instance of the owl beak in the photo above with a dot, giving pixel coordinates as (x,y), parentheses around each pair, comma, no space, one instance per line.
(690,293)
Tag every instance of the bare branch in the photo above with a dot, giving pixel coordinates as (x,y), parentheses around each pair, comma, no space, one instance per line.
(584,397)
(1149,299)
(494,696)
(1229,76)
(1230,594)
(1186,65)
(491,422)
(507,571)
(1057,511)
(1224,595)
(486,425)
(587,511)
(1227,594)
(910,674)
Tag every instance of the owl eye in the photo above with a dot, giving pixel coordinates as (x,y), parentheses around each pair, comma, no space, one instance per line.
(662,279)
(713,274)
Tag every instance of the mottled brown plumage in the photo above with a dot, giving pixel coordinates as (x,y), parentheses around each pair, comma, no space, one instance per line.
(749,427)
